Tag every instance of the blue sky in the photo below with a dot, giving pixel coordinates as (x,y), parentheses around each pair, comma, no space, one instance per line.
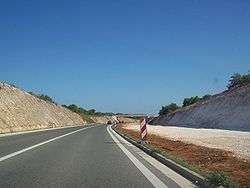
(123,56)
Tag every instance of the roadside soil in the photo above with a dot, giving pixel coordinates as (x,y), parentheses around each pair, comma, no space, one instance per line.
(206,159)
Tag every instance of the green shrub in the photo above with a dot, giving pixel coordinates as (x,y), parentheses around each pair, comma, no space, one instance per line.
(219,179)
(190,101)
(205,97)
(238,80)
(168,108)
(43,97)
(80,110)
(85,114)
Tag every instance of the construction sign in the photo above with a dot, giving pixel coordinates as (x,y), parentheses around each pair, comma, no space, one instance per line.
(143,129)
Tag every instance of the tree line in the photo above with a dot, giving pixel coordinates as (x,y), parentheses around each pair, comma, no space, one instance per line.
(236,80)
(73,107)
(91,112)
(43,97)
(186,102)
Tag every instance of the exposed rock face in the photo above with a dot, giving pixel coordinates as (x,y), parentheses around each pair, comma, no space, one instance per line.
(113,119)
(104,119)
(21,111)
(227,110)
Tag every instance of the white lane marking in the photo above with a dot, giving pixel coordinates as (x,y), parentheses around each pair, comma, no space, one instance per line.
(40,144)
(178,179)
(40,130)
(156,182)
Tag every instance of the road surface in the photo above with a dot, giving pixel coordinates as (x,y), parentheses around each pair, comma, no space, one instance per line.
(80,157)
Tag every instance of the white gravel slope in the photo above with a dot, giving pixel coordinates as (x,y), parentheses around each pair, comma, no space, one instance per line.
(235,141)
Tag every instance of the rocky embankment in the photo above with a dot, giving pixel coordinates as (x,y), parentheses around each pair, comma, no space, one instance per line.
(113,119)
(20,111)
(228,110)
(104,119)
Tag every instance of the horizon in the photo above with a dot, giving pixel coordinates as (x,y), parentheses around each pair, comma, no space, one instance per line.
(123,57)
(122,113)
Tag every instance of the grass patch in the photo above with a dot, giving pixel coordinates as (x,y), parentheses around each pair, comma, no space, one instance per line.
(219,179)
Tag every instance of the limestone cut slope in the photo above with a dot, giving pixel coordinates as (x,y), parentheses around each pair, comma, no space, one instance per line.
(104,119)
(21,111)
(113,119)
(228,110)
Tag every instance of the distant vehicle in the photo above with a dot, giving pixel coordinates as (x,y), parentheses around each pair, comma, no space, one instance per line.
(109,122)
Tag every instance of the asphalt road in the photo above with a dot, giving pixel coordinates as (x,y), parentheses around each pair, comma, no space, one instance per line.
(76,157)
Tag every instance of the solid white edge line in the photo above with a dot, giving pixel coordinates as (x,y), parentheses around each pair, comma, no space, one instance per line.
(40,144)
(155,181)
(178,179)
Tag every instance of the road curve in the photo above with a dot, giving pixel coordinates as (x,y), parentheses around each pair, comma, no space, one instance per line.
(77,157)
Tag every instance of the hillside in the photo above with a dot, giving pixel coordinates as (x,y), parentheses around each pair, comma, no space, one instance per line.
(113,119)
(104,119)
(227,110)
(21,111)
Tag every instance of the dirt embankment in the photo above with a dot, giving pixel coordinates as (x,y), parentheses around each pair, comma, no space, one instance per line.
(20,111)
(113,119)
(228,110)
(104,119)
(207,159)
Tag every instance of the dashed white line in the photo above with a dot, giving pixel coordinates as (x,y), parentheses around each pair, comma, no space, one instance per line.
(40,144)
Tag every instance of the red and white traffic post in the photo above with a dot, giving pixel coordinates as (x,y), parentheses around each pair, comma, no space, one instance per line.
(143,129)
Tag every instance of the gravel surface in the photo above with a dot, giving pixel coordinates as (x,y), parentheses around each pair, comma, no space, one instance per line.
(235,141)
